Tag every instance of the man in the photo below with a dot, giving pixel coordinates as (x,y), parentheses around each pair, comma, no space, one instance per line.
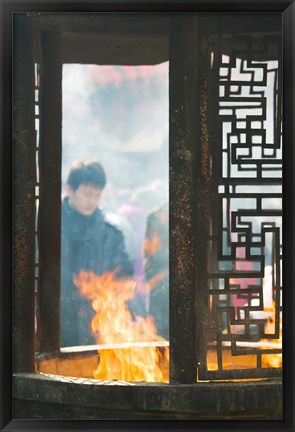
(89,242)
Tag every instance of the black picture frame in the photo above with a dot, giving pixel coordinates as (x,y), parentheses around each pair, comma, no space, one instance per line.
(8,8)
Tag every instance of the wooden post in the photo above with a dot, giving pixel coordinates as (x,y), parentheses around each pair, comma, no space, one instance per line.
(24,171)
(183,132)
(50,191)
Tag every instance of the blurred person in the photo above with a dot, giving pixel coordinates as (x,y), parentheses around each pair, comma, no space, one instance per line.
(143,201)
(89,242)
(133,214)
(156,267)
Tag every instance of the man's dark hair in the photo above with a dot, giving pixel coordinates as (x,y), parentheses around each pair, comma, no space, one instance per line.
(86,172)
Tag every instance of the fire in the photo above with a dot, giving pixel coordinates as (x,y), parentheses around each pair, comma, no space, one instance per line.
(113,324)
(270,343)
(273,360)
(150,245)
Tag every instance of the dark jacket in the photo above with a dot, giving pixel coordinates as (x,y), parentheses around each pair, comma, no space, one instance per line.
(88,243)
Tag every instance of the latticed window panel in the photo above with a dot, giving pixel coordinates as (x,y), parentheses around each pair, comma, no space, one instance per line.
(243,326)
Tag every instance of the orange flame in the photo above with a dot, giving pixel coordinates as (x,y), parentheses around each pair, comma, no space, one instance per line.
(273,360)
(113,324)
(150,245)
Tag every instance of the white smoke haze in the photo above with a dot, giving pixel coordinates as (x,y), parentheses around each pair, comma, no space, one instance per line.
(119,116)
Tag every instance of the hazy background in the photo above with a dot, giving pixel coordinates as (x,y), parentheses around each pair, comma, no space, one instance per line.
(119,116)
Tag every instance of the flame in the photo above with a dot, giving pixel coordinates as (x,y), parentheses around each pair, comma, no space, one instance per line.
(150,245)
(113,324)
(229,361)
(273,360)
(146,287)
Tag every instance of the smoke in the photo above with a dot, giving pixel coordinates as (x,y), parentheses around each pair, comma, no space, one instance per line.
(119,116)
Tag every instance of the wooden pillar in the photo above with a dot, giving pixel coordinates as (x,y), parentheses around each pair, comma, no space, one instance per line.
(207,103)
(23,215)
(50,191)
(183,99)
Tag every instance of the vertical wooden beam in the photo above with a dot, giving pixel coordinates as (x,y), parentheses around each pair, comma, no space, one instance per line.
(50,191)
(183,135)
(6,102)
(23,214)
(207,100)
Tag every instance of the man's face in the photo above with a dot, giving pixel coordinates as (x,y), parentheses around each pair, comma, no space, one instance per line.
(85,199)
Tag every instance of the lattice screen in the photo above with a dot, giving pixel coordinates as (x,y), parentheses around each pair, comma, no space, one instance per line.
(244,317)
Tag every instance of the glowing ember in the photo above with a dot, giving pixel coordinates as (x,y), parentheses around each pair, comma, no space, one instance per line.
(113,324)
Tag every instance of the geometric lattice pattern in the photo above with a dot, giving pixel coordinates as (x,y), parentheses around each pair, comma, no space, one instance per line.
(245,264)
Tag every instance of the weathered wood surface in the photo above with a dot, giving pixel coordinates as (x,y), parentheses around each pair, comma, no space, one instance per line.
(61,398)
(23,208)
